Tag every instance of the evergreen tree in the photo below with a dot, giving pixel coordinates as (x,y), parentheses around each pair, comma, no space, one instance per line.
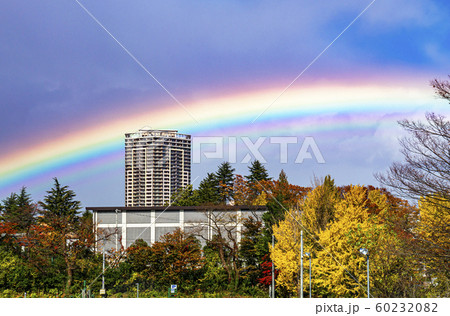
(24,199)
(10,205)
(225,180)
(59,203)
(208,191)
(18,210)
(257,172)
(282,178)
(186,196)
(277,205)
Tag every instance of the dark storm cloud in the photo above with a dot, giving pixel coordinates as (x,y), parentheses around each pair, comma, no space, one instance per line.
(60,68)
(55,48)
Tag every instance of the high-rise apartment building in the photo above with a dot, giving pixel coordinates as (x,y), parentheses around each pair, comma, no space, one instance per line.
(157,164)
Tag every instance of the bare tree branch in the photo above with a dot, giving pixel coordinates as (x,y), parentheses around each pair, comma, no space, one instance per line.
(426,170)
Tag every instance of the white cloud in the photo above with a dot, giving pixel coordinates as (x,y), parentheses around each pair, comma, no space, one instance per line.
(385,15)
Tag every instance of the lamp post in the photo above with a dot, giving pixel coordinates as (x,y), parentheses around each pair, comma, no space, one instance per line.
(273,270)
(117,238)
(365,252)
(103,290)
(309,256)
(301,264)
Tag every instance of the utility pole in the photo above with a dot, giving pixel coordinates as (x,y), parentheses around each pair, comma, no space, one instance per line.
(301,264)
(137,290)
(273,269)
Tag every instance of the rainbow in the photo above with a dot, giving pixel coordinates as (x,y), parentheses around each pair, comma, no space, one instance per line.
(323,108)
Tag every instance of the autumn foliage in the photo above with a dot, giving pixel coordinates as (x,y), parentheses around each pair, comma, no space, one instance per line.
(48,247)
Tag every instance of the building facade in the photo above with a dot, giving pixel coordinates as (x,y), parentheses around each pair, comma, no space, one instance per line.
(157,165)
(119,227)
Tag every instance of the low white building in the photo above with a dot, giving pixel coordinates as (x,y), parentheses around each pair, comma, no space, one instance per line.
(124,225)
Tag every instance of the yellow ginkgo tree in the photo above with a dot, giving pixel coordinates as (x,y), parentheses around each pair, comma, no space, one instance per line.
(360,220)
(433,235)
(317,209)
(286,253)
(339,267)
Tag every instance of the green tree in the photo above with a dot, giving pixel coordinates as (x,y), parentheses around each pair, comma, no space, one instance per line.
(257,172)
(208,192)
(19,210)
(225,180)
(215,277)
(15,273)
(137,255)
(59,203)
(186,196)
(138,259)
(251,251)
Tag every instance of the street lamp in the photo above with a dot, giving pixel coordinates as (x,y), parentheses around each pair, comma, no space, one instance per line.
(273,269)
(365,252)
(301,264)
(103,290)
(117,238)
(309,256)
